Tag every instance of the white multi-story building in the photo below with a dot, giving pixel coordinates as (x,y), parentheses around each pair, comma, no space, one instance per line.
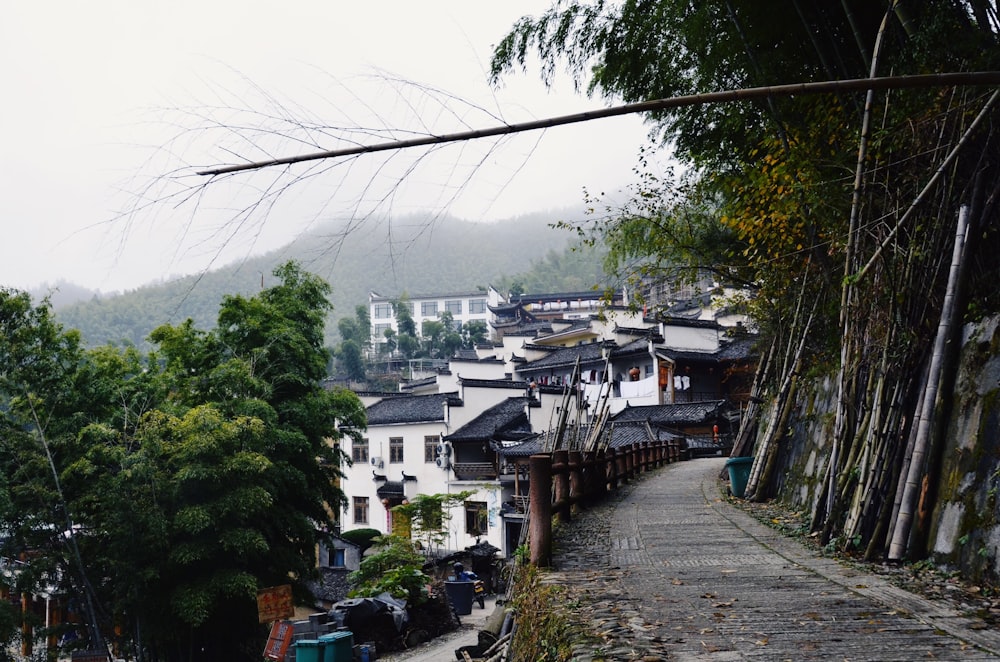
(464,307)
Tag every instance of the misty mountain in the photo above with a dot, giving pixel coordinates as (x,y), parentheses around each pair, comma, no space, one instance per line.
(412,254)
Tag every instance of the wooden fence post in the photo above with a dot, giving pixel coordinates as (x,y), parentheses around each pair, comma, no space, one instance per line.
(577,489)
(611,469)
(560,485)
(540,503)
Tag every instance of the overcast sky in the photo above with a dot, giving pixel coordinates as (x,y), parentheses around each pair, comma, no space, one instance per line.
(103,100)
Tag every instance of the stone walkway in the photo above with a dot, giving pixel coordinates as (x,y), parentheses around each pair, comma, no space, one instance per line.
(668,570)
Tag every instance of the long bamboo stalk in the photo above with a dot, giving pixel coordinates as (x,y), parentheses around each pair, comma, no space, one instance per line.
(904,522)
(823,87)
(847,288)
(763,450)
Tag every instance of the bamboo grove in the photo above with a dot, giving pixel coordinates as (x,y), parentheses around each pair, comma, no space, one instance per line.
(865,223)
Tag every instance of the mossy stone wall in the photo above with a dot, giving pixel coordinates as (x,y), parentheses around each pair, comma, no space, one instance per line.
(965,531)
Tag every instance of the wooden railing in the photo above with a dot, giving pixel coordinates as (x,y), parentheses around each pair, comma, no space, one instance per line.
(566,481)
(474,470)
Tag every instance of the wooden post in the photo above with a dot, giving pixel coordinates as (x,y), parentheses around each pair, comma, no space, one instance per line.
(540,503)
(27,634)
(577,490)
(611,469)
(560,485)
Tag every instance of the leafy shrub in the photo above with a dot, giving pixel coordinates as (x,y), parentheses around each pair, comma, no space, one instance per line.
(394,568)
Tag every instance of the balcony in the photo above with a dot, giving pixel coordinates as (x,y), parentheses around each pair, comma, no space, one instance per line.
(475,471)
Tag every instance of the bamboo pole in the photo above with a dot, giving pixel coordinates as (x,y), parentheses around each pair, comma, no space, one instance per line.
(748,94)
(901,532)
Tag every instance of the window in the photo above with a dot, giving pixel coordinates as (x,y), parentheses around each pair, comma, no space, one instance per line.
(454,307)
(380,330)
(359,450)
(383,311)
(476,523)
(430,448)
(429,309)
(395,450)
(360,510)
(477,306)
(338,558)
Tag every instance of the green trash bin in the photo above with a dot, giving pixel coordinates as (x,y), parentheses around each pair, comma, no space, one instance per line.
(739,474)
(308,650)
(339,646)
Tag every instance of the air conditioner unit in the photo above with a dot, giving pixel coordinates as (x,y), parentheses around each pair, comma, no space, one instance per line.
(443,449)
(442,461)
(377,462)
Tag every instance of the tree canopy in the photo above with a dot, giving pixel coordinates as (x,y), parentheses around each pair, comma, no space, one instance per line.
(186,479)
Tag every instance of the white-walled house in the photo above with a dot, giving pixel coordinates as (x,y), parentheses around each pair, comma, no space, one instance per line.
(458,430)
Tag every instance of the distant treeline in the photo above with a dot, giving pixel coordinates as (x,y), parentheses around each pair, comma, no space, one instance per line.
(415,254)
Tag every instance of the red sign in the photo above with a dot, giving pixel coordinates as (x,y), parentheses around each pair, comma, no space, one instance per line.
(277,642)
(274,603)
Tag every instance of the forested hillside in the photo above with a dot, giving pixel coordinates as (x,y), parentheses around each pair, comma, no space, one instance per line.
(415,254)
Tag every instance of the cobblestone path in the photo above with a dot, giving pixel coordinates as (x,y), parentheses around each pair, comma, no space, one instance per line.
(669,570)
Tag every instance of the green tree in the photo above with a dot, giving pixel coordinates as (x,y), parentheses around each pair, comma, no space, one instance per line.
(429,516)
(189,479)
(474,332)
(395,568)
(352,360)
(407,341)
(432,333)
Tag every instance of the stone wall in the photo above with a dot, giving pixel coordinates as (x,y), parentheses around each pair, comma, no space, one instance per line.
(966,524)
(965,530)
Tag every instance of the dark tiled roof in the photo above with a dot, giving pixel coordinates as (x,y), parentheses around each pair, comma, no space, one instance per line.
(695,323)
(524,449)
(688,413)
(493,383)
(738,349)
(569,326)
(503,307)
(566,357)
(390,488)
(558,296)
(627,433)
(417,383)
(503,421)
(531,329)
(639,346)
(690,356)
(642,331)
(411,409)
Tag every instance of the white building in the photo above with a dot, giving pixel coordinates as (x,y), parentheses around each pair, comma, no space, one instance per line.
(455,431)
(464,307)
